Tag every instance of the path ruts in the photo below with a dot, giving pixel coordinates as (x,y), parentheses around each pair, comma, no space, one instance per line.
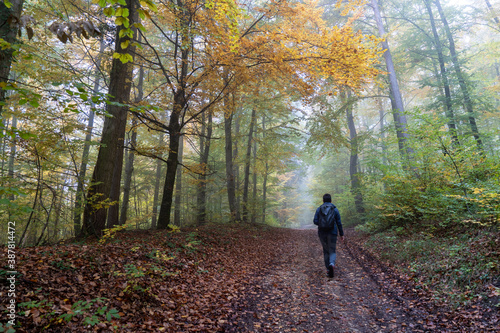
(294,295)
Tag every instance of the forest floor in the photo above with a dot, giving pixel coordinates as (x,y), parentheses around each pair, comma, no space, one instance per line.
(222,278)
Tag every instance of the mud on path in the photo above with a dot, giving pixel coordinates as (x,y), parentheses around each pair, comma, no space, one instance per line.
(293,294)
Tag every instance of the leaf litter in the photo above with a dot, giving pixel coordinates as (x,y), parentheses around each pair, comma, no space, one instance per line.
(222,278)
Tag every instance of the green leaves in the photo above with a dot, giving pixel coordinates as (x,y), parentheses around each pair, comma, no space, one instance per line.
(26,96)
(124,57)
(122,12)
(122,21)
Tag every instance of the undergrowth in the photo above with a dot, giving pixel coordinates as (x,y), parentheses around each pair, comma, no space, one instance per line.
(459,269)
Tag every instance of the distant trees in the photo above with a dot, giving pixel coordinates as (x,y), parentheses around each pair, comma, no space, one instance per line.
(243,92)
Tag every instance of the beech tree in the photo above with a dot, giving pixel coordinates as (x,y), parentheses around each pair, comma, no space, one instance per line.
(104,191)
(398,108)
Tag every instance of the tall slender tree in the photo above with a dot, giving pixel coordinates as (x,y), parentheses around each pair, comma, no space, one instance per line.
(248,161)
(460,76)
(230,177)
(156,194)
(443,76)
(104,189)
(205,142)
(398,108)
(354,150)
(79,195)
(266,173)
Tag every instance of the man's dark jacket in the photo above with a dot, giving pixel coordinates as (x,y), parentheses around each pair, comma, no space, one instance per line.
(331,212)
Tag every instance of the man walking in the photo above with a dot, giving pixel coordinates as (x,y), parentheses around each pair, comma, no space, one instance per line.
(327,218)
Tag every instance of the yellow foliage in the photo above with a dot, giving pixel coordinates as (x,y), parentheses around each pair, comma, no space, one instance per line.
(173,228)
(111,232)
(163,256)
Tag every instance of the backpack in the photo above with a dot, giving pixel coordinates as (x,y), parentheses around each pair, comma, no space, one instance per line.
(326,218)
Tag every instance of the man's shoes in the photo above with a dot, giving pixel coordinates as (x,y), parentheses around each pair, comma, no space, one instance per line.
(331,270)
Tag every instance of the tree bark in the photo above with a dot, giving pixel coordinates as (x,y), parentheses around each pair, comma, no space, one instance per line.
(157,187)
(443,77)
(105,188)
(9,34)
(266,171)
(129,170)
(398,110)
(236,165)
(174,128)
(230,181)
(202,179)
(460,77)
(178,186)
(254,199)
(247,167)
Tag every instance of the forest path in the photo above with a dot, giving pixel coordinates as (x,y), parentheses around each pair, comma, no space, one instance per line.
(223,278)
(295,295)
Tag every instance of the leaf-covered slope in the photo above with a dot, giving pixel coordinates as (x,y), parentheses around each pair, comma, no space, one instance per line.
(148,281)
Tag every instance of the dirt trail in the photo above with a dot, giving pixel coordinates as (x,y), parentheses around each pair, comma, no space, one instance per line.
(294,295)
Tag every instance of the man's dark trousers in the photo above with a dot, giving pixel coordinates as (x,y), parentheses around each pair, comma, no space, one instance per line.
(329,243)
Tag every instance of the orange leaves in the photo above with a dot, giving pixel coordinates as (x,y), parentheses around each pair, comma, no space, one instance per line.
(297,41)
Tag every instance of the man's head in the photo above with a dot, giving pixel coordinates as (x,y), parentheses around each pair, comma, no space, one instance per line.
(327,198)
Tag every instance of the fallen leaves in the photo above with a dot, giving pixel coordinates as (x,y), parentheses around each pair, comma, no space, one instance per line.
(220,278)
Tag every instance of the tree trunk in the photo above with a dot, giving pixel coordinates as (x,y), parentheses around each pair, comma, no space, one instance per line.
(231,188)
(157,187)
(254,199)
(460,77)
(236,165)
(202,179)
(266,171)
(58,212)
(247,167)
(180,101)
(129,170)
(129,166)
(178,186)
(492,11)
(105,188)
(398,110)
(443,77)
(174,127)
(353,162)
(79,199)
(381,114)
(9,34)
